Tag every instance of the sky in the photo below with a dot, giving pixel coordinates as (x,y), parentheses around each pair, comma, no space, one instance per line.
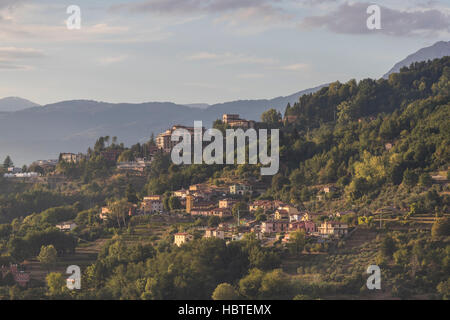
(204,51)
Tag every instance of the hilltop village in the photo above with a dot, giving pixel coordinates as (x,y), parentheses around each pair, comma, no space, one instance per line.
(363,180)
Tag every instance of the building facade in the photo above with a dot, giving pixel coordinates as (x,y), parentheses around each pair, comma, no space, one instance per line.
(152,204)
(333,228)
(182,238)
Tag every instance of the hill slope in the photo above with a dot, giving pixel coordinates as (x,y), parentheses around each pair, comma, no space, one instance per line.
(436,51)
(73,126)
(12,104)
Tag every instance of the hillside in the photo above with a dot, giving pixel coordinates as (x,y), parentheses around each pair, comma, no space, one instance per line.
(72,126)
(12,104)
(436,51)
(377,146)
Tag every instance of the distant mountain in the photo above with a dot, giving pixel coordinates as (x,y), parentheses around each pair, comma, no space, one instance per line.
(436,51)
(72,126)
(252,109)
(198,105)
(11,104)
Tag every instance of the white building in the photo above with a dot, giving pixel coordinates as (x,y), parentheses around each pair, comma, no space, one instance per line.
(182,238)
(66,226)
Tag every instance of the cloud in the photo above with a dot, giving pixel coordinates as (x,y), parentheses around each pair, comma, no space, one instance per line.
(203,56)
(10,66)
(11,3)
(295,67)
(11,58)
(230,58)
(351,18)
(190,6)
(231,11)
(106,61)
(20,24)
(20,53)
(201,85)
(250,76)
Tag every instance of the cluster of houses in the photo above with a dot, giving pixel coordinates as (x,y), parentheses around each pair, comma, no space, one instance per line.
(20,276)
(205,200)
(111,155)
(281,218)
(164,140)
(66,226)
(234,121)
(14,172)
(270,230)
(164,144)
(139,166)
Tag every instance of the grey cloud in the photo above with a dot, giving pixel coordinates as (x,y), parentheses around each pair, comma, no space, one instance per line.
(12,66)
(11,3)
(351,19)
(195,6)
(261,13)
(11,58)
(19,53)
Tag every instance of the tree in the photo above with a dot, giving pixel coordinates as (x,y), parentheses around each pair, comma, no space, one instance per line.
(8,162)
(48,256)
(8,280)
(371,168)
(410,178)
(275,285)
(357,188)
(388,247)
(241,208)
(56,283)
(413,208)
(441,227)
(225,291)
(119,211)
(18,249)
(213,221)
(272,117)
(126,156)
(174,203)
(297,241)
(425,180)
(250,285)
(401,257)
(444,289)
(152,141)
(130,194)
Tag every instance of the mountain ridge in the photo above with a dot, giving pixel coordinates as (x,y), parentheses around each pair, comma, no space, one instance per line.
(74,125)
(436,51)
(13,104)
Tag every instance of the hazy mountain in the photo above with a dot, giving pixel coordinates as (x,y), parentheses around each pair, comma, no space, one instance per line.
(72,126)
(11,104)
(436,51)
(198,105)
(252,109)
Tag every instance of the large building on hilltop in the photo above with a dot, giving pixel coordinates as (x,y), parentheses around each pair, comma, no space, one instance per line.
(234,121)
(164,140)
